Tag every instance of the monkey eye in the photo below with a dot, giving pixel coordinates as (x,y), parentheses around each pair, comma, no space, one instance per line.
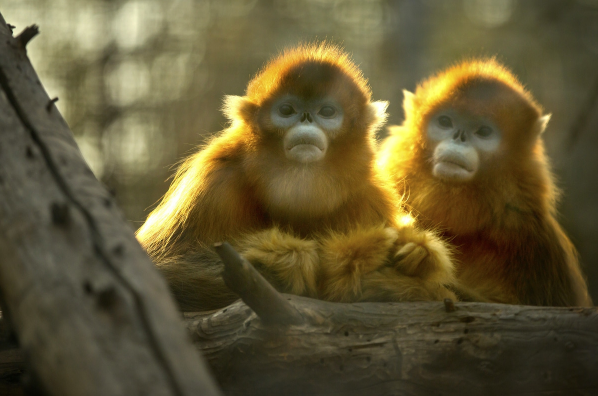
(286,110)
(327,111)
(484,131)
(445,121)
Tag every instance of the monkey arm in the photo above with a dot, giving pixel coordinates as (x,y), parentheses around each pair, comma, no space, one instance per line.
(289,263)
(370,264)
(348,257)
(385,264)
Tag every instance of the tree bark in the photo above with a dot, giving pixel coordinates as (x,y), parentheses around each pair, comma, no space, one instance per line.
(377,349)
(89,310)
(403,349)
(273,343)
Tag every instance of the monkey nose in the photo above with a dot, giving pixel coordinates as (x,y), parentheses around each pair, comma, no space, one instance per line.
(460,133)
(306,116)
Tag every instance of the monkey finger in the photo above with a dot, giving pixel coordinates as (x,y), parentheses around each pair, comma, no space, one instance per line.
(410,263)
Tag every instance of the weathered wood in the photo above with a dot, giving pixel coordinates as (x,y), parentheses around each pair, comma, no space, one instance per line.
(404,349)
(242,278)
(377,349)
(89,309)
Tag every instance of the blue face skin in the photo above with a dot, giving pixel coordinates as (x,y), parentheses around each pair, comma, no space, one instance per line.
(460,142)
(308,124)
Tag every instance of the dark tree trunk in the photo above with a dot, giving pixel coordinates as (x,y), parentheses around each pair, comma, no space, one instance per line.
(89,310)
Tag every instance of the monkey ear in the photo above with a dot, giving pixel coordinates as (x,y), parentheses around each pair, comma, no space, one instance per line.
(378,114)
(541,124)
(237,108)
(408,102)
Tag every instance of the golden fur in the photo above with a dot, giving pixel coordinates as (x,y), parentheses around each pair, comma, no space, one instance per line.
(510,248)
(291,220)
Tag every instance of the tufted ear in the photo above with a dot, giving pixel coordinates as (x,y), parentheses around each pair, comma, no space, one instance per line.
(238,108)
(541,124)
(377,112)
(408,102)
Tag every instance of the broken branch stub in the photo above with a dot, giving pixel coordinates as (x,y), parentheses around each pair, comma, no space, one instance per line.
(242,278)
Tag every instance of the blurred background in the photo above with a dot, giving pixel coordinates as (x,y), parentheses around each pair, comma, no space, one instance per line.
(141,82)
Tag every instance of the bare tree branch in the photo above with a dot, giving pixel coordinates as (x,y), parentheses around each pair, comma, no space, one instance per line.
(240,276)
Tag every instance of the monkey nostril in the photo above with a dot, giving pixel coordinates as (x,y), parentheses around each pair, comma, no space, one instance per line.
(456,135)
(462,136)
(303,117)
(308,116)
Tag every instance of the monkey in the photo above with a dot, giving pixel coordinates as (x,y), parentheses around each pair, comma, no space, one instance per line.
(470,157)
(292,184)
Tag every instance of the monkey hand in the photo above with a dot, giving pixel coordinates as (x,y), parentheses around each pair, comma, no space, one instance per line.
(356,266)
(424,256)
(346,258)
(289,263)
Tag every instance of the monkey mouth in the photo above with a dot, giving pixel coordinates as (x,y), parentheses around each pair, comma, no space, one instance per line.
(306,146)
(453,168)
(451,162)
(305,153)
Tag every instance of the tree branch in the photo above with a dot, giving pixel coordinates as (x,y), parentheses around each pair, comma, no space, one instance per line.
(26,35)
(240,276)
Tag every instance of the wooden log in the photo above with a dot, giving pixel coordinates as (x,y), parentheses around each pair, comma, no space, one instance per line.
(435,348)
(403,349)
(391,348)
(377,349)
(90,311)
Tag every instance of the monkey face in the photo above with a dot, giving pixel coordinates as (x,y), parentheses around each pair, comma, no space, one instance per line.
(308,126)
(460,142)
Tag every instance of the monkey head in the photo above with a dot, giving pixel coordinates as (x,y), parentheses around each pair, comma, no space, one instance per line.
(309,129)
(460,139)
(309,124)
(473,118)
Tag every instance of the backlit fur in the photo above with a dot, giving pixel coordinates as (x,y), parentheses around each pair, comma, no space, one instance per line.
(283,215)
(510,247)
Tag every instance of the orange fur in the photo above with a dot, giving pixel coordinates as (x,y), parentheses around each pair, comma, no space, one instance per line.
(280,214)
(220,192)
(291,263)
(510,247)
(385,264)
